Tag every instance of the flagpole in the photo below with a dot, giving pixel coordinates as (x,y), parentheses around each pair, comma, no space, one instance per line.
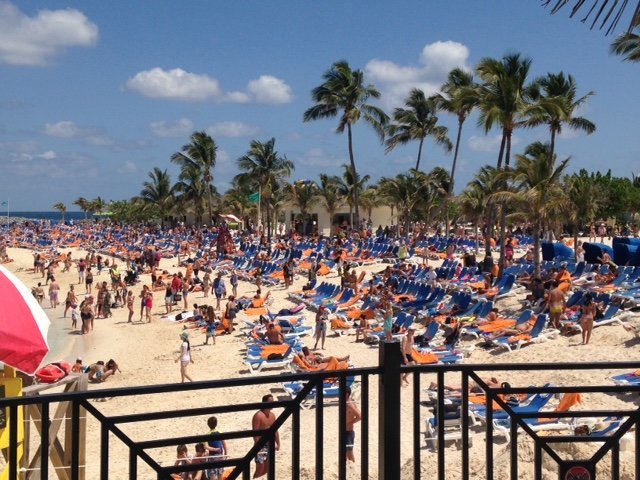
(7,211)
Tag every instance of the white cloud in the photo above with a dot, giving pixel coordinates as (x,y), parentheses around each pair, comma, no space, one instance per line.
(128,167)
(436,61)
(232,129)
(318,157)
(179,128)
(489,144)
(36,40)
(64,129)
(48,155)
(175,84)
(178,84)
(269,89)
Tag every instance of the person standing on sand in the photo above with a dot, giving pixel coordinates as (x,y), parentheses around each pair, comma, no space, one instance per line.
(143,300)
(184,357)
(206,283)
(130,305)
(353,417)
(82,267)
(262,420)
(54,290)
(148,305)
(88,280)
(321,326)
(556,304)
(70,302)
(586,319)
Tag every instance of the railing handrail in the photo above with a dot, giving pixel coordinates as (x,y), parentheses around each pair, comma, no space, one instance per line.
(185,387)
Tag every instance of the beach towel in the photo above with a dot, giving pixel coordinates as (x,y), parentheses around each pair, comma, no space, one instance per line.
(424,358)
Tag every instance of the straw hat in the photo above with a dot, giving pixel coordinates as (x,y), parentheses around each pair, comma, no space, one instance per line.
(184,335)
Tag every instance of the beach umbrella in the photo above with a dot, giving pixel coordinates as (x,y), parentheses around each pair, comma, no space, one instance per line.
(23,325)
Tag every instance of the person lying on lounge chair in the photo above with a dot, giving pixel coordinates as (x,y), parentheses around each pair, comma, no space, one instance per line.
(517,330)
(274,335)
(318,360)
(492,382)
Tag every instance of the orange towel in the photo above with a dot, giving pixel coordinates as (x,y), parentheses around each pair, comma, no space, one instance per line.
(517,338)
(271,349)
(424,358)
(567,401)
(498,324)
(254,312)
(338,324)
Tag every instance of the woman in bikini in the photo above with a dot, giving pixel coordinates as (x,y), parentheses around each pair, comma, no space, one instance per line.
(586,319)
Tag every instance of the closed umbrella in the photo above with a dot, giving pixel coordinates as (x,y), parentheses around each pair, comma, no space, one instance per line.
(23,325)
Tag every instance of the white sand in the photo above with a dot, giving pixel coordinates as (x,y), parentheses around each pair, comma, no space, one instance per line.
(146,354)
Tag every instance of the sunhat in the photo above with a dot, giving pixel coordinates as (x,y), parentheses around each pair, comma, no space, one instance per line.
(184,335)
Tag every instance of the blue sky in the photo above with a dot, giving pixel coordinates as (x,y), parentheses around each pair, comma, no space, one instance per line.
(95,94)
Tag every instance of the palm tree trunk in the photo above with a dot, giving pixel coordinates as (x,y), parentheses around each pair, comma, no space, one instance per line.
(452,177)
(575,242)
(503,213)
(491,206)
(419,154)
(476,225)
(356,194)
(210,219)
(552,147)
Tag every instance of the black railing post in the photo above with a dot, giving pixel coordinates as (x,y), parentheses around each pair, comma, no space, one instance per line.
(389,411)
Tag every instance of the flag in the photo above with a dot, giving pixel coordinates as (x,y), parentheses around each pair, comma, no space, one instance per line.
(4,204)
(254,197)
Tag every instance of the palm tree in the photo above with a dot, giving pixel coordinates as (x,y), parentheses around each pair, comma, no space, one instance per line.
(417,122)
(486,182)
(83,204)
(539,192)
(458,96)
(473,202)
(503,101)
(369,199)
(627,45)
(192,191)
(62,208)
(343,90)
(157,193)
(265,169)
(407,191)
(555,105)
(612,15)
(350,185)
(97,205)
(200,154)
(304,195)
(329,196)
(236,201)
(584,198)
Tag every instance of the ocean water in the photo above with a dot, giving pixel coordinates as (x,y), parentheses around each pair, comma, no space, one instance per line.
(55,217)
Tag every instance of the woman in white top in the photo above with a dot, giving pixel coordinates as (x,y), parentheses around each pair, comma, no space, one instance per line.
(185,357)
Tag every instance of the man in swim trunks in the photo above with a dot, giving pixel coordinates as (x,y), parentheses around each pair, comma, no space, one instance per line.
(556,304)
(353,417)
(407,350)
(262,420)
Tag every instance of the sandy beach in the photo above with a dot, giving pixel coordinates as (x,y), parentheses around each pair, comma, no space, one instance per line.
(146,353)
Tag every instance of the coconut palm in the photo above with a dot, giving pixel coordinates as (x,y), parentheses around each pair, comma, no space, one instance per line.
(486,181)
(83,204)
(627,45)
(555,105)
(350,185)
(330,197)
(417,121)
(97,205)
(612,15)
(504,101)
(200,155)
(407,191)
(584,198)
(369,199)
(344,91)
(458,96)
(539,193)
(236,201)
(62,208)
(157,194)
(304,195)
(192,191)
(473,202)
(263,168)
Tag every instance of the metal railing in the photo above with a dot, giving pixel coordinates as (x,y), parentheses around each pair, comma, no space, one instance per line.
(386,446)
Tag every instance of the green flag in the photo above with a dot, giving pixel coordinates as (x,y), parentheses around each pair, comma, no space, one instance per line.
(254,197)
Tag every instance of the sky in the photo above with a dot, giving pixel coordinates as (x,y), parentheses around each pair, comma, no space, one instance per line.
(95,94)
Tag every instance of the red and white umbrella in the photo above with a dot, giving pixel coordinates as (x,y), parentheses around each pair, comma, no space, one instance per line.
(23,325)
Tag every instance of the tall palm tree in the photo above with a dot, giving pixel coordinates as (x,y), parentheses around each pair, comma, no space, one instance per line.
(350,185)
(330,197)
(539,192)
(200,154)
(407,191)
(486,182)
(263,167)
(612,15)
(344,92)
(83,204)
(504,100)
(304,195)
(458,96)
(555,105)
(192,191)
(157,193)
(62,208)
(417,121)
